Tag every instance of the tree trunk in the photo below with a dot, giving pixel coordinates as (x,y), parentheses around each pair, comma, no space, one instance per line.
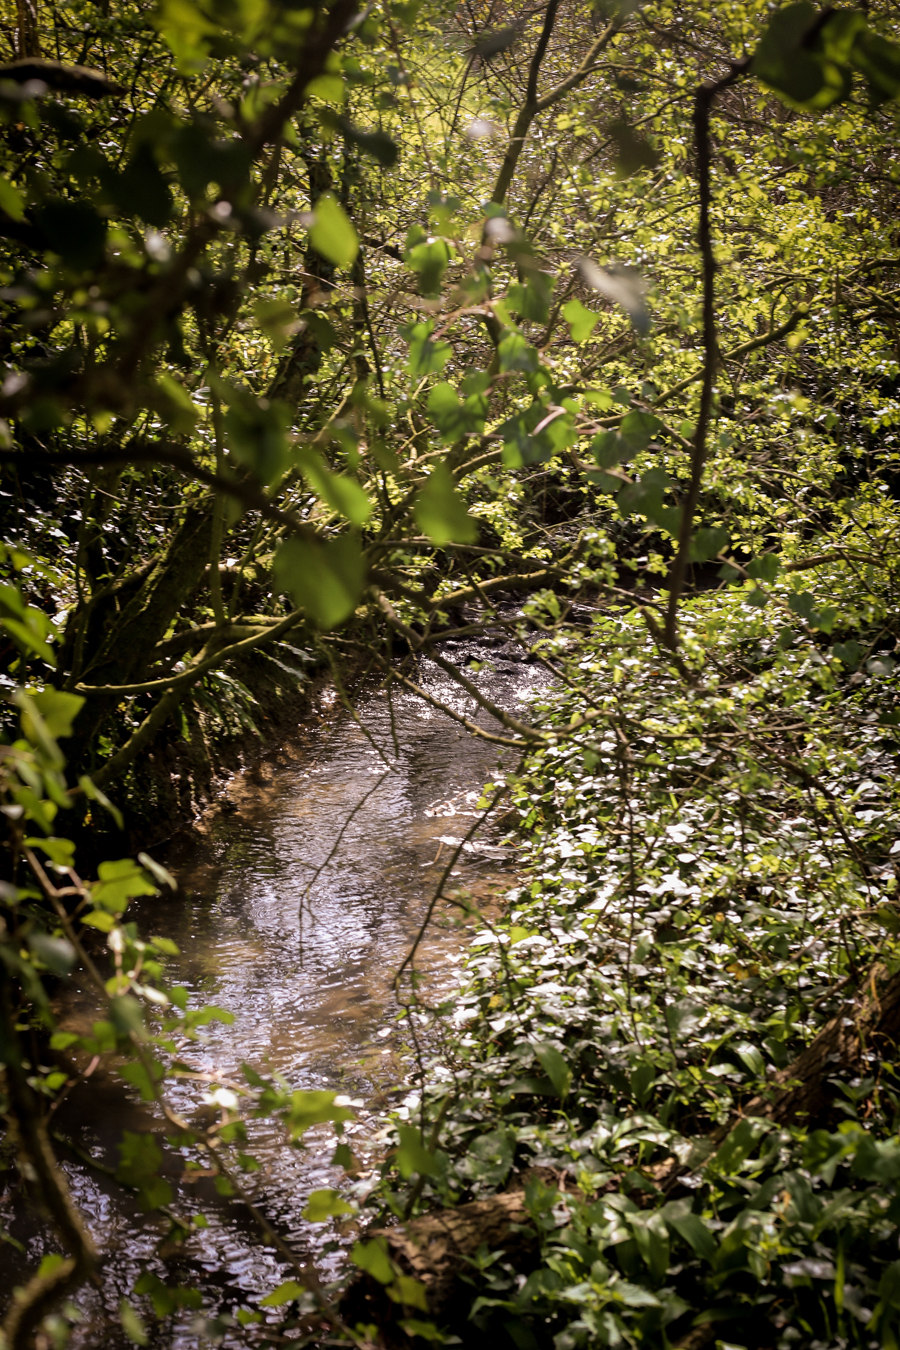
(28,42)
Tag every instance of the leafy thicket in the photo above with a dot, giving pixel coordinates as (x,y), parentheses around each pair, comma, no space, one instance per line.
(325,327)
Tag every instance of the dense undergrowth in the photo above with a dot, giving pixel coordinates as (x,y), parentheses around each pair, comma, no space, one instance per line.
(709,871)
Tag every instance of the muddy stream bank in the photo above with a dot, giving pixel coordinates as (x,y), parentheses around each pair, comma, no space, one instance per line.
(311,992)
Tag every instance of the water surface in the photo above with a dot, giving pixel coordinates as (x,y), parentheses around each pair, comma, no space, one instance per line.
(294,913)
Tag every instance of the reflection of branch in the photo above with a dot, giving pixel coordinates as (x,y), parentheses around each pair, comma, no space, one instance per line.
(703,101)
(340,835)
(463,721)
(419,643)
(439,889)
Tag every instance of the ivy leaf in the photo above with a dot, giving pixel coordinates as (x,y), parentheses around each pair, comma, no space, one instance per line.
(342,494)
(633,151)
(453,417)
(707,543)
(764,568)
(256,434)
(140,1159)
(517,354)
(791,61)
(57,709)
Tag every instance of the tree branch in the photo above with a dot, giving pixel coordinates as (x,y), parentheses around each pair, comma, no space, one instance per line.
(703,101)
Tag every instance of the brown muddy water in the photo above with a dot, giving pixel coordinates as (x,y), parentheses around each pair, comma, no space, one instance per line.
(311,993)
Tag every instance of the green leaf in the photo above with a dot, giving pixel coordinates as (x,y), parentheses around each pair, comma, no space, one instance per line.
(490,1157)
(140,189)
(878,59)
(325,1204)
(61,1040)
(581,321)
(332,233)
(326,580)
(59,851)
(342,494)
(850,652)
(93,793)
(440,511)
(764,568)
(126,1015)
(256,434)
(556,1069)
(140,1159)
(633,151)
(453,417)
(132,1325)
(377,144)
(11,200)
(517,354)
(57,954)
(313,1108)
(120,881)
(160,875)
(408,1291)
(429,261)
(57,710)
(531,300)
(638,429)
(803,604)
(136,1074)
(738,1145)
(645,497)
(100,919)
(708,542)
(751,1057)
(412,1156)
(798,61)
(425,357)
(691,1228)
(372,1257)
(288,1292)
(652,1241)
(278,319)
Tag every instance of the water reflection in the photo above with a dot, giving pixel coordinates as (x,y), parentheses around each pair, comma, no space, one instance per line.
(305,968)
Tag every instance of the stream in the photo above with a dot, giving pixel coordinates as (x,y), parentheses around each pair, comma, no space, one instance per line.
(311,992)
